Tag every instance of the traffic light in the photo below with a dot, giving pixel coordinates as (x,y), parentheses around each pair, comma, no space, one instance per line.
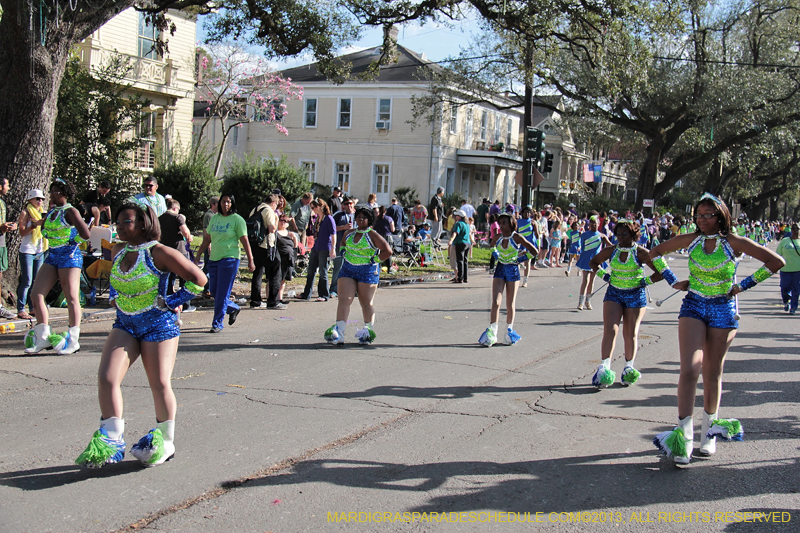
(548,163)
(534,145)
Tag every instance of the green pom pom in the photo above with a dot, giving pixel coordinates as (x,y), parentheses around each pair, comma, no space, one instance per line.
(56,340)
(631,375)
(731,425)
(97,452)
(329,333)
(158,446)
(607,378)
(30,339)
(676,442)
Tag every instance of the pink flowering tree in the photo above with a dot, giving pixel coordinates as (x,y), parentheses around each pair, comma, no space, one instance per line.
(238,88)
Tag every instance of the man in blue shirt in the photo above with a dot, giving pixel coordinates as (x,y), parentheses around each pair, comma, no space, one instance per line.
(424,232)
(344,220)
(398,214)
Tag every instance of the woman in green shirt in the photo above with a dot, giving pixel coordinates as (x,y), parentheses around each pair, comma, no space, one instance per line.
(224,233)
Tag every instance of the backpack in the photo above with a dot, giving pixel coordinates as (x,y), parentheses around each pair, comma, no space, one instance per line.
(256,230)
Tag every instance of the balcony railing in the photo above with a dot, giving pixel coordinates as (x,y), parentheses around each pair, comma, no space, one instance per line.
(150,71)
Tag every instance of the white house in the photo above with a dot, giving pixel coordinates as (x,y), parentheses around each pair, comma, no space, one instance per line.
(358,135)
(167,81)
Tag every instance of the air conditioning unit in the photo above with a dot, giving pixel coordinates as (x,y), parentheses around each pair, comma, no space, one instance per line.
(382,125)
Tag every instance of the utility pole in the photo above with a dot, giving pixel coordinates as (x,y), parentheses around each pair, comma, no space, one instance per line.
(527,121)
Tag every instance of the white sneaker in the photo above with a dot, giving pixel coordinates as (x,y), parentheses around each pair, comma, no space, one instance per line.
(7,314)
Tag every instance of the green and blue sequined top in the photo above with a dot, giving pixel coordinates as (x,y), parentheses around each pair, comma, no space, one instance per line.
(628,274)
(138,289)
(57,230)
(362,252)
(711,274)
(508,255)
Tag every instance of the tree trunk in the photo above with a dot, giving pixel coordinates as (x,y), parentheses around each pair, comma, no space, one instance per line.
(29,85)
(649,173)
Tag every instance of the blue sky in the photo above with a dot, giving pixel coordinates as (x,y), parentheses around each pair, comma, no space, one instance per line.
(436,41)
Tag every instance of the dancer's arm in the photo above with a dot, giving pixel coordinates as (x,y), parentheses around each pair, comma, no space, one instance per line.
(384,250)
(772,262)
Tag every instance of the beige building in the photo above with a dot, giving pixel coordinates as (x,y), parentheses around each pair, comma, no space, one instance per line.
(358,135)
(167,81)
(570,160)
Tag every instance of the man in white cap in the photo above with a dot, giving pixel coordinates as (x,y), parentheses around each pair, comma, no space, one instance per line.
(572,209)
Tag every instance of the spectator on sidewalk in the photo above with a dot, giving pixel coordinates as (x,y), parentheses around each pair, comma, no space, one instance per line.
(150,197)
(397,214)
(174,234)
(265,254)
(301,215)
(436,215)
(789,249)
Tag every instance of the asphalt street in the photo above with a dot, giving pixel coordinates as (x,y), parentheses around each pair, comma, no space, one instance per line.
(422,431)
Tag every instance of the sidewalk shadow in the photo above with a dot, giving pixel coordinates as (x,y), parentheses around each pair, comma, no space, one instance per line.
(57,476)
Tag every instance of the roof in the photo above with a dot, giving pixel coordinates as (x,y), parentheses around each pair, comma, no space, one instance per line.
(405,70)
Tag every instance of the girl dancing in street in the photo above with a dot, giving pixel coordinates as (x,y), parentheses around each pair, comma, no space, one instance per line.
(591,242)
(64,229)
(706,324)
(506,277)
(146,326)
(625,299)
(363,249)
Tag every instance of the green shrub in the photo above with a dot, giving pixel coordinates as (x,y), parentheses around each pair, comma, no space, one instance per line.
(250,179)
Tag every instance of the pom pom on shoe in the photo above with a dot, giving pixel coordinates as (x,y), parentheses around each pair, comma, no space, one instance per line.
(333,336)
(512,337)
(59,342)
(365,335)
(726,429)
(674,445)
(151,450)
(629,376)
(488,338)
(102,450)
(603,377)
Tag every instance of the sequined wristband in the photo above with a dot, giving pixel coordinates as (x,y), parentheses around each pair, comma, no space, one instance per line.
(663,269)
(647,280)
(755,278)
(112,294)
(603,274)
(189,291)
(524,257)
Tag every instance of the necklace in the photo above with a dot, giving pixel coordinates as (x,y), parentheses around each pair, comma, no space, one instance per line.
(137,247)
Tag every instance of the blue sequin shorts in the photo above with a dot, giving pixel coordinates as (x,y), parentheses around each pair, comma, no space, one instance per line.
(714,312)
(67,256)
(507,272)
(627,298)
(361,273)
(155,325)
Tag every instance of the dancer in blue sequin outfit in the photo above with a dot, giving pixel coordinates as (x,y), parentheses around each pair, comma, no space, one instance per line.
(625,300)
(65,229)
(706,324)
(591,242)
(507,243)
(146,326)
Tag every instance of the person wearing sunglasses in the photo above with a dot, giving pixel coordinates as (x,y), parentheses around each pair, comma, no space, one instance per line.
(149,197)
(32,249)
(707,321)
